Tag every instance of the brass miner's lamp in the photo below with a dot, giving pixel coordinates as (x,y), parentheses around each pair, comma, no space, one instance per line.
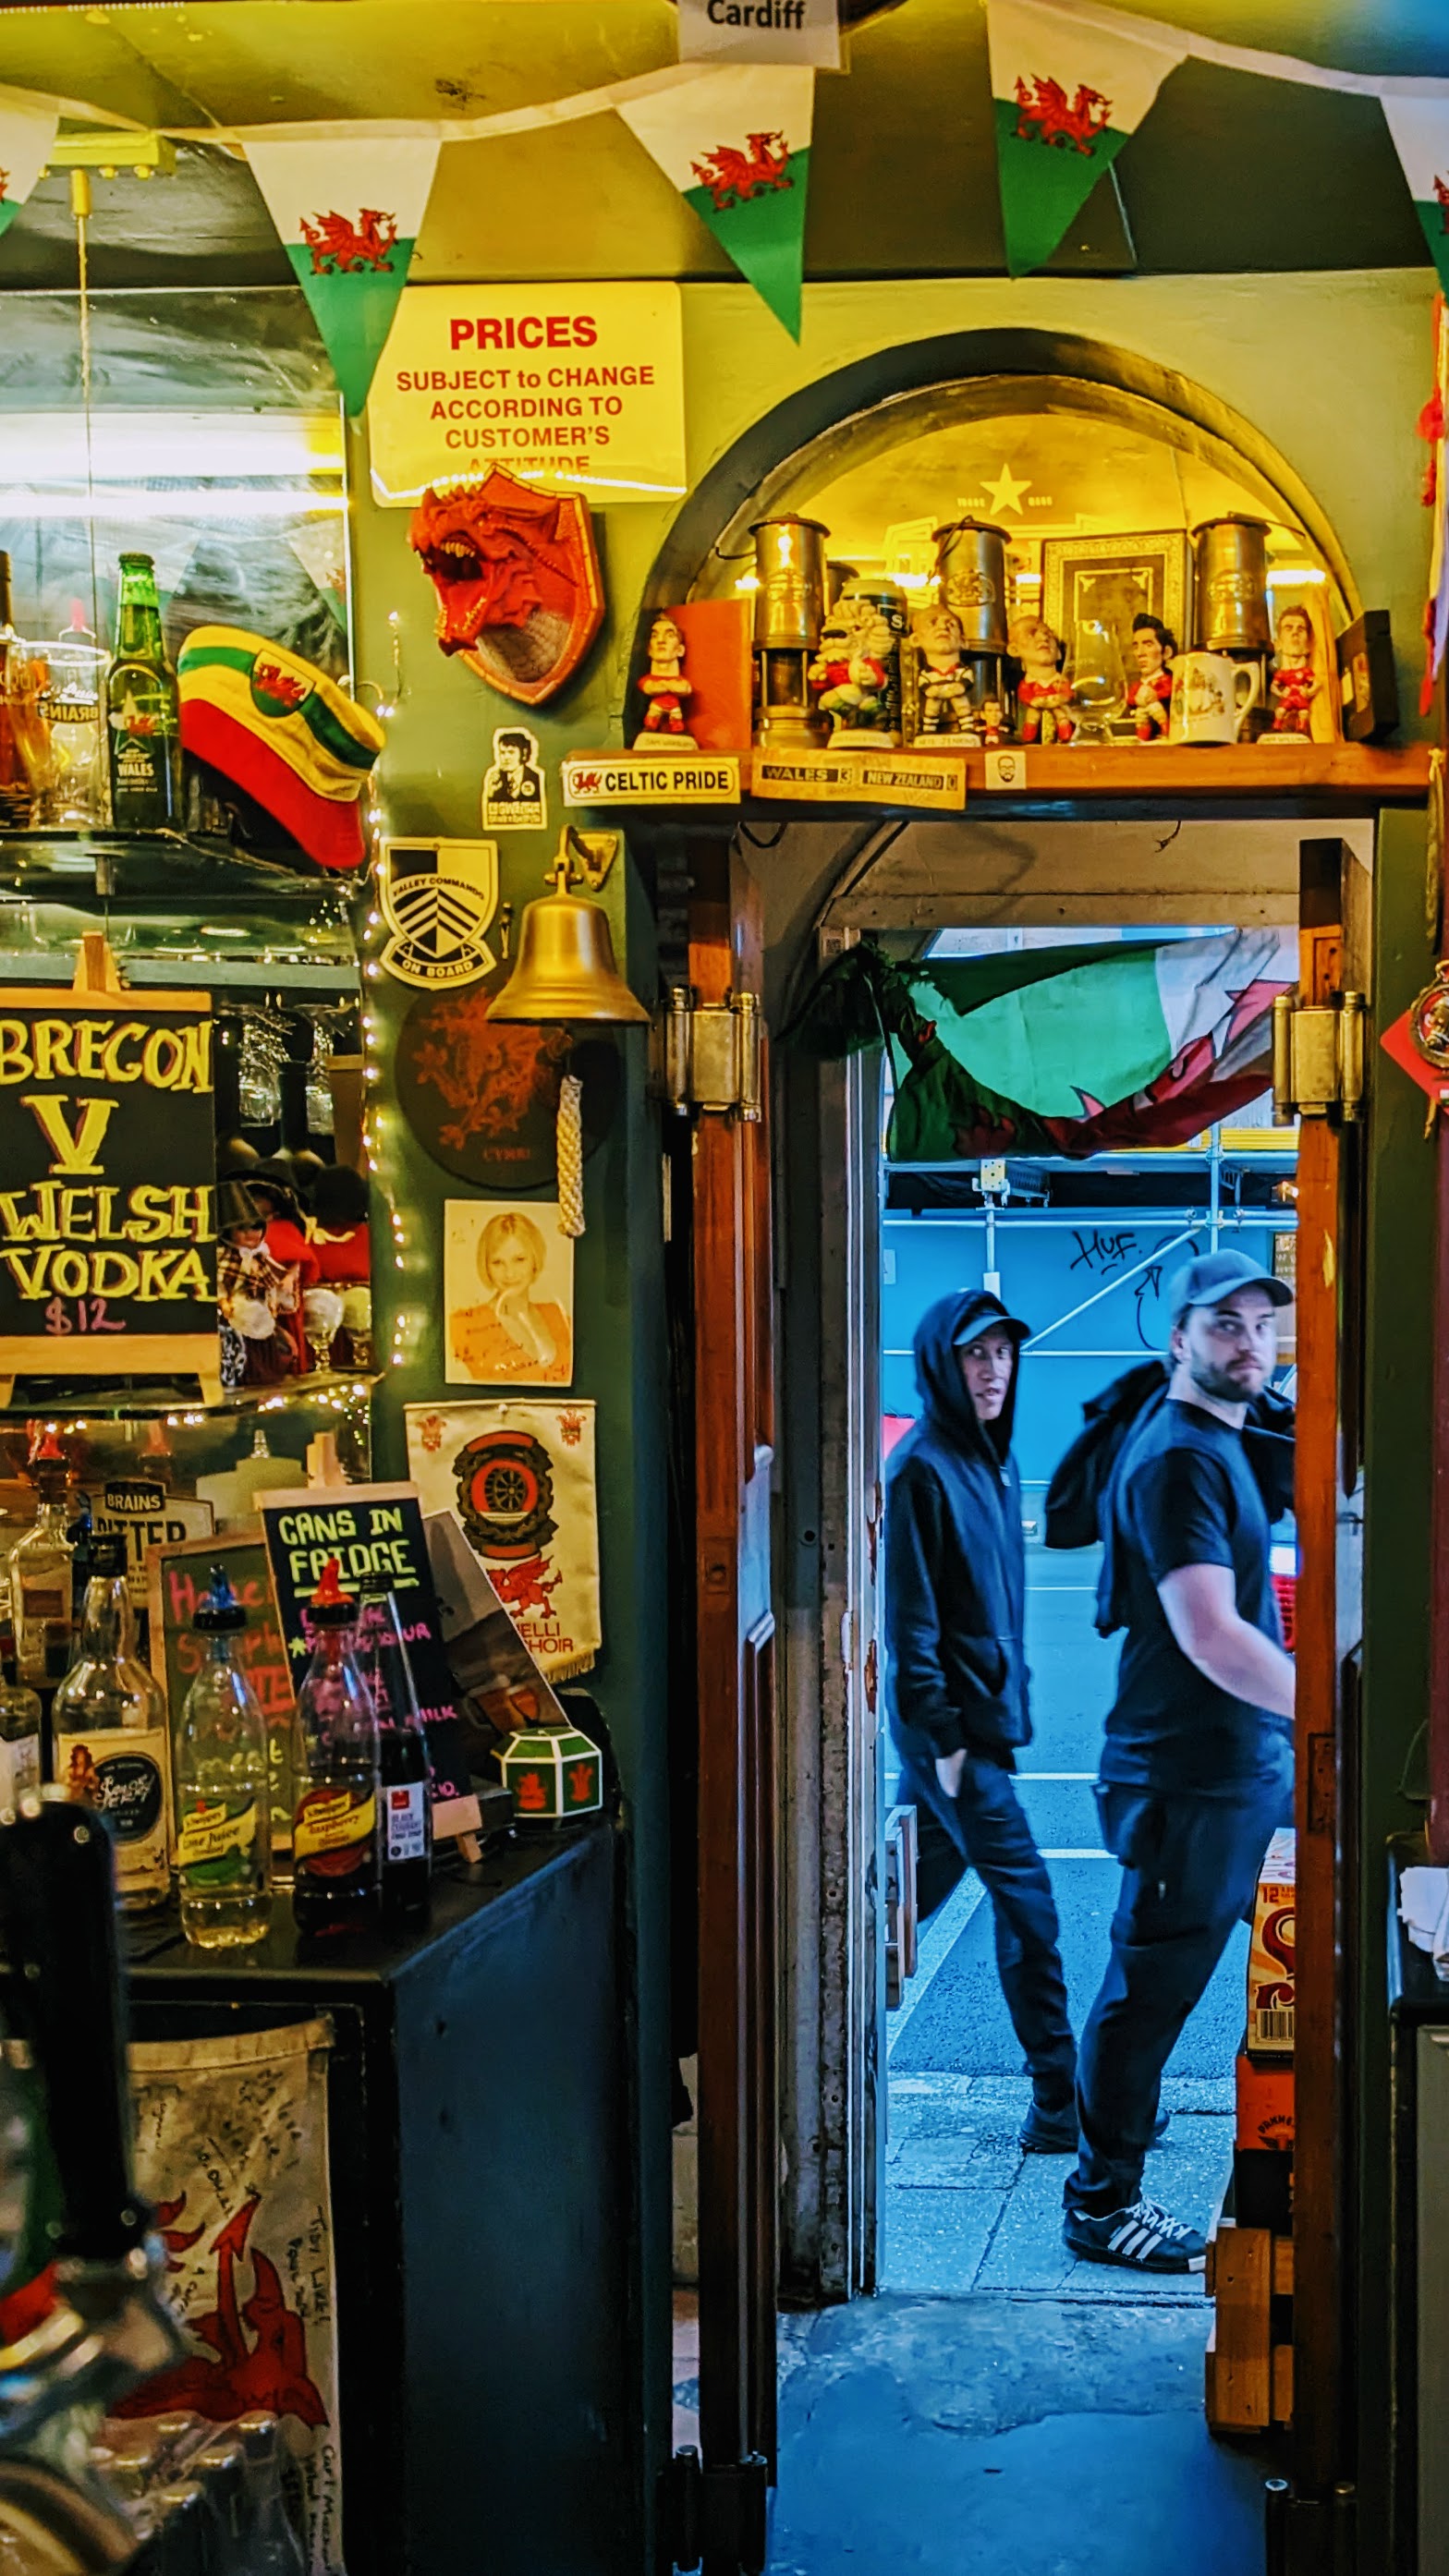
(566,968)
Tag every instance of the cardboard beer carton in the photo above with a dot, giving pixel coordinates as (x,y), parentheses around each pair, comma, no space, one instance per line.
(1271,1987)
(1264,2104)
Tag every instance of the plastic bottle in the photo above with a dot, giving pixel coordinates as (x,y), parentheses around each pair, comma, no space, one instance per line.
(336,1843)
(223,1794)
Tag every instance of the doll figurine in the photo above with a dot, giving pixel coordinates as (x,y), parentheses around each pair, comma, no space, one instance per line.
(665,688)
(944,686)
(1150,697)
(1295,683)
(850,677)
(991,722)
(257,1347)
(1043,693)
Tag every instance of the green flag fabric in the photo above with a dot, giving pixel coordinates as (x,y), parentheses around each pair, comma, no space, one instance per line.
(1420,128)
(1068,90)
(736,144)
(348,214)
(1058,1051)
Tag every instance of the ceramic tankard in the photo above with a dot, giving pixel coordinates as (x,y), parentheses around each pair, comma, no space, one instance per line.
(1212,697)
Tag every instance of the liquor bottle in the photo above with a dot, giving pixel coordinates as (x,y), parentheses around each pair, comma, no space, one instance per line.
(24,744)
(40,1573)
(108,1735)
(142,711)
(223,1789)
(19,1740)
(72,702)
(407,1810)
(336,1847)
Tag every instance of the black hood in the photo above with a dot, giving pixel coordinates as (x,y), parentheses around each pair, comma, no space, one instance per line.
(944,1400)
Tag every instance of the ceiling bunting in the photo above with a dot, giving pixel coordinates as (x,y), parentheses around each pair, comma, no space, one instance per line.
(27,137)
(760,31)
(736,144)
(349,214)
(1067,92)
(1420,128)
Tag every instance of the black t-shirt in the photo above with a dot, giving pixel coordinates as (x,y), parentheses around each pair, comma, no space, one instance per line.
(1183,1495)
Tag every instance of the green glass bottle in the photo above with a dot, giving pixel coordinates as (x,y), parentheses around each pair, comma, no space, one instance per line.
(143,716)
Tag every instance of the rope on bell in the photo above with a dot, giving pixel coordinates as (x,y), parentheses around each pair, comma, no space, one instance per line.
(570,1146)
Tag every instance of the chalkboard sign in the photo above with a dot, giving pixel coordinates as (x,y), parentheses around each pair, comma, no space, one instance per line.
(376,1534)
(107,1173)
(176,1577)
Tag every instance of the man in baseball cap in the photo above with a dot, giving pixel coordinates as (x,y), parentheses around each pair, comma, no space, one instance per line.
(1197,1769)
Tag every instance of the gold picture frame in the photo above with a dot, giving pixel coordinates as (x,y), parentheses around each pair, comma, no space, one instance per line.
(1113,580)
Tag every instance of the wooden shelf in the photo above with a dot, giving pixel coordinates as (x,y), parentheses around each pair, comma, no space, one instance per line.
(1349,769)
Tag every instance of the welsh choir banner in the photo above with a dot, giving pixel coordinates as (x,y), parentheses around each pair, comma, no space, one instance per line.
(521,1478)
(231,2150)
(349,214)
(736,144)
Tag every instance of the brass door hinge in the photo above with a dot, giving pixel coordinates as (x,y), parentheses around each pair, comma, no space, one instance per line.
(1318,1058)
(712,1053)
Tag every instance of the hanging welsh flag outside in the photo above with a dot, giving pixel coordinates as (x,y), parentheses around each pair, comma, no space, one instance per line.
(1062,1051)
(1420,128)
(736,144)
(349,214)
(1069,86)
(27,137)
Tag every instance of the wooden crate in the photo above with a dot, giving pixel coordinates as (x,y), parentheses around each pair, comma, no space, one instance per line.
(1248,2378)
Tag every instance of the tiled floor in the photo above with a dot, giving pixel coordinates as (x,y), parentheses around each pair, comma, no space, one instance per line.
(966,2211)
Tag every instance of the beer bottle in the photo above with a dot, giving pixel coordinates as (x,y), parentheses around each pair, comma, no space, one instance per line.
(407,1816)
(143,716)
(336,1844)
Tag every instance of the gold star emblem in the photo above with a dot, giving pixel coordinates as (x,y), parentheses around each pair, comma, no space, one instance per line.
(1005,493)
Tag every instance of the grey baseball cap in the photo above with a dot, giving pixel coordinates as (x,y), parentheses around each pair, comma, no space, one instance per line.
(1215,1275)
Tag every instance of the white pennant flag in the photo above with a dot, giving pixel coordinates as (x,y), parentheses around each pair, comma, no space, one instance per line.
(736,144)
(1420,128)
(349,214)
(27,139)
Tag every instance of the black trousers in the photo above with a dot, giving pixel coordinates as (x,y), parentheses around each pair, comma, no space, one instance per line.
(984,1826)
(1189,1869)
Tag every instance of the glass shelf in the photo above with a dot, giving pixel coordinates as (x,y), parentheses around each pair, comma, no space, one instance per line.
(63,1401)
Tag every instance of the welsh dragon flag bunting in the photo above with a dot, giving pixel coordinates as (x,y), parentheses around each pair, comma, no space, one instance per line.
(1069,87)
(27,134)
(349,214)
(1420,128)
(1069,1051)
(736,144)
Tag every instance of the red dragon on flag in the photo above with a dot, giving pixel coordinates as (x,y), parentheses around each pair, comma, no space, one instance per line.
(339,245)
(259,2344)
(733,177)
(1045,114)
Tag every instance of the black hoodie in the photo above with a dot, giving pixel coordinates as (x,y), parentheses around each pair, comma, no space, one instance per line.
(955,1561)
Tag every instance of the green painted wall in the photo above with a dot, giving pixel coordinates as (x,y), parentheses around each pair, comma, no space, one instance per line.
(1331,370)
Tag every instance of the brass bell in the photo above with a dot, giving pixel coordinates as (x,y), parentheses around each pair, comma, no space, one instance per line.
(566,968)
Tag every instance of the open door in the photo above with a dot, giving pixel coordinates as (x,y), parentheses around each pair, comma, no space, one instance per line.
(717,1073)
(1318,1067)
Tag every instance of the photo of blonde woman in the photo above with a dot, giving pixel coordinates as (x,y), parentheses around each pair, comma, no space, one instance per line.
(520,1332)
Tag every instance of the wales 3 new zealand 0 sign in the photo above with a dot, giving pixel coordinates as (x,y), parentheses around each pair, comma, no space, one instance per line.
(107,1165)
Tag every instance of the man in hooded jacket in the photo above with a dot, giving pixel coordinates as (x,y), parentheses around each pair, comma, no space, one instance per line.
(956,1677)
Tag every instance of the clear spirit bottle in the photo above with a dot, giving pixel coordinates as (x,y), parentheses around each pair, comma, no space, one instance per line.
(223,1789)
(109,1747)
(39,1566)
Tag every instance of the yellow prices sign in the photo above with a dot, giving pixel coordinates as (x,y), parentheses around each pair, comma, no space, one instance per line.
(563,385)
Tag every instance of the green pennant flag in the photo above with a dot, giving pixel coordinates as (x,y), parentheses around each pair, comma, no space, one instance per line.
(348,214)
(27,137)
(736,144)
(1420,128)
(1069,86)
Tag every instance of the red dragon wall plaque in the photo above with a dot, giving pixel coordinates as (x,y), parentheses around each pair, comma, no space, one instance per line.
(517,578)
